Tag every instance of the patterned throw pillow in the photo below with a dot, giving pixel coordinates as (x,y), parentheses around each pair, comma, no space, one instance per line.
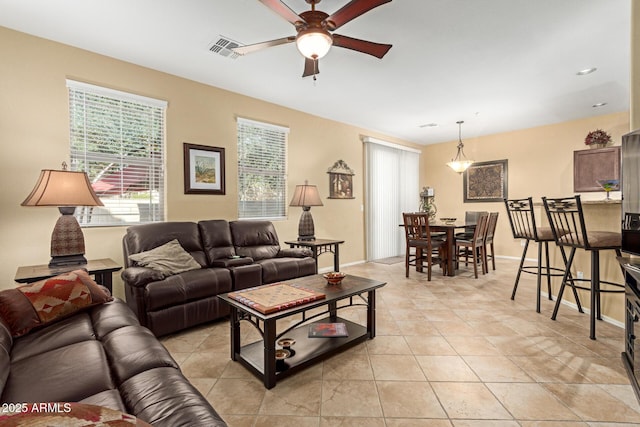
(40,303)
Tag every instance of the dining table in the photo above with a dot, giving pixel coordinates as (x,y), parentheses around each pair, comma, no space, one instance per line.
(449,228)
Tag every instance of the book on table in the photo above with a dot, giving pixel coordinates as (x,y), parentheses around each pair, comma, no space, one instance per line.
(328,330)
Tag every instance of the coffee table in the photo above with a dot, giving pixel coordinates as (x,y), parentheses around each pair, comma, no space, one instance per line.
(260,357)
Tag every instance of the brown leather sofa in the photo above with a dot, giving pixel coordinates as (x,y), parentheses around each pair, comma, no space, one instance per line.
(233,256)
(101,356)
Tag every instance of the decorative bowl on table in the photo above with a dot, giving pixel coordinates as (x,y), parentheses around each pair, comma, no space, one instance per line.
(448,220)
(334,278)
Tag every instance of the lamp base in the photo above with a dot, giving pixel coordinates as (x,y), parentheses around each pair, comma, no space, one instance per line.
(66,260)
(306,229)
(67,240)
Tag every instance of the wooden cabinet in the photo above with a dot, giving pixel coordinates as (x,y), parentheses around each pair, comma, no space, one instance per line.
(594,164)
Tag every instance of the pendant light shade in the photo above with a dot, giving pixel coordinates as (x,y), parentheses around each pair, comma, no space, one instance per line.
(460,163)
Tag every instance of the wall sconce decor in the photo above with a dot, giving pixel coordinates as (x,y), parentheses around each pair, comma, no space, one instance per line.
(340,181)
(66,190)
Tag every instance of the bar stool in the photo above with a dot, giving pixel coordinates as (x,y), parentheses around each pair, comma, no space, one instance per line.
(523,225)
(567,223)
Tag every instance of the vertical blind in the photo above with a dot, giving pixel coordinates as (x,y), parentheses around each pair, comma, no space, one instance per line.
(262,170)
(392,187)
(118,139)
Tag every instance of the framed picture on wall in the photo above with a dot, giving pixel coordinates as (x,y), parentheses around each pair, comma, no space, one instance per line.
(203,169)
(485,181)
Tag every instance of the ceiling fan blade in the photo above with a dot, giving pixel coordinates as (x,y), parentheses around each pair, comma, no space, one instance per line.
(283,10)
(310,67)
(250,48)
(375,49)
(352,10)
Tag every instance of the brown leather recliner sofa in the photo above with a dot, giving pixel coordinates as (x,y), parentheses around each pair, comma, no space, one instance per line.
(101,356)
(232,256)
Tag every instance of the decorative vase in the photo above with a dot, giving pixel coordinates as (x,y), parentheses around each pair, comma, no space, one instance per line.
(597,145)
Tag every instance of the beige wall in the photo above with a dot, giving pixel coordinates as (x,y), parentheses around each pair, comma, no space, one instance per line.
(34,134)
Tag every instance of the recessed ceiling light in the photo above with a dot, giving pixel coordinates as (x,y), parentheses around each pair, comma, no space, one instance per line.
(586,71)
(429,125)
(599,104)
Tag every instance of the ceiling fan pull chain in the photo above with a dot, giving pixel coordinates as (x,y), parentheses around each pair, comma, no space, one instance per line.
(315,70)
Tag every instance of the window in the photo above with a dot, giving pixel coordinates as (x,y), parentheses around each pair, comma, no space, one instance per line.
(118,139)
(262,170)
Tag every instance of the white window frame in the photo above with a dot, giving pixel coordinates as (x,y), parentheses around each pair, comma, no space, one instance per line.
(123,154)
(267,167)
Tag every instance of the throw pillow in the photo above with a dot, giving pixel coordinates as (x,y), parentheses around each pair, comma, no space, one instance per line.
(46,301)
(169,259)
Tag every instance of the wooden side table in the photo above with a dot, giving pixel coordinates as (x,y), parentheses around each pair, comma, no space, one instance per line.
(102,269)
(318,247)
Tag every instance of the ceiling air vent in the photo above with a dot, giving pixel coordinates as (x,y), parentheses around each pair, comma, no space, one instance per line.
(223,47)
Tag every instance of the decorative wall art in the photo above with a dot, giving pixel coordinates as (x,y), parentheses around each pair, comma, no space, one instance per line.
(203,169)
(486,182)
(340,181)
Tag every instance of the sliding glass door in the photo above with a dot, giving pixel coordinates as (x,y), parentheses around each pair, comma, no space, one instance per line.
(392,187)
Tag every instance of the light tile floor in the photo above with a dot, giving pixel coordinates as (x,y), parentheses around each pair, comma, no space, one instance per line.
(450,352)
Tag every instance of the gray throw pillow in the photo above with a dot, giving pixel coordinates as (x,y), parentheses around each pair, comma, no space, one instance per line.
(169,259)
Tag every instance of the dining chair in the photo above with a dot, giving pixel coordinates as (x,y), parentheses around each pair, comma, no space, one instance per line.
(566,218)
(470,218)
(488,240)
(425,247)
(522,219)
(474,247)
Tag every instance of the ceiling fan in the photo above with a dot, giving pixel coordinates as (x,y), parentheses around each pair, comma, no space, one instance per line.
(315,32)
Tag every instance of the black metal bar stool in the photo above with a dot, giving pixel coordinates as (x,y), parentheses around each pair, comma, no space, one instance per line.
(567,223)
(523,226)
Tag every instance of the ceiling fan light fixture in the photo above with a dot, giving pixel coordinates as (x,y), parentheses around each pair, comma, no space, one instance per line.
(460,163)
(314,43)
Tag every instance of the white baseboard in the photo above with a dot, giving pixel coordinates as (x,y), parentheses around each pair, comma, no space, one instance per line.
(586,310)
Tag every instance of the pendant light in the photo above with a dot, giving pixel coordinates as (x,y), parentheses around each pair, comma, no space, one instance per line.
(460,163)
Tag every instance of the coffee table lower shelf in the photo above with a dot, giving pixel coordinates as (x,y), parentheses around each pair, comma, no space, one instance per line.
(307,351)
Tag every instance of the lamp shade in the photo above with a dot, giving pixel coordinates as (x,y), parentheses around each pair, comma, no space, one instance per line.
(62,188)
(306,195)
(314,43)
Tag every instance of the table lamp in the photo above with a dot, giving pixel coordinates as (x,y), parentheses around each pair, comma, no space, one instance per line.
(306,196)
(66,190)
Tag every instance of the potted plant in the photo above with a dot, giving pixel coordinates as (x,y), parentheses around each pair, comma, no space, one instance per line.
(597,139)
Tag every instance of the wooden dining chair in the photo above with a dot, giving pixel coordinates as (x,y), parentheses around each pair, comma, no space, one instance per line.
(474,247)
(488,240)
(421,246)
(470,219)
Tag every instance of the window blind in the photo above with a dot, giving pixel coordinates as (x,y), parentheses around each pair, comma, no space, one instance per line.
(118,139)
(262,170)
(392,187)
